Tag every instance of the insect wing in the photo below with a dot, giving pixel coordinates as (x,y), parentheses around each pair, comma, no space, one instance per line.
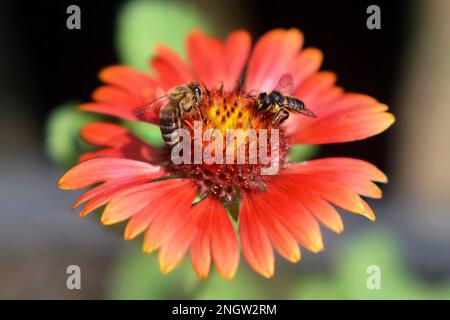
(152,105)
(285,84)
(307,112)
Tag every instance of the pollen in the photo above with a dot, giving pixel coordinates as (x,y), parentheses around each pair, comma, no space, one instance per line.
(231,113)
(227,111)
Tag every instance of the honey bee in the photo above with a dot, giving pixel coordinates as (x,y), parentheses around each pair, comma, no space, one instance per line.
(178,102)
(278,104)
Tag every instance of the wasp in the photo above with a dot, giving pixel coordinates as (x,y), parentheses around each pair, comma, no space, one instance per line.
(278,104)
(178,102)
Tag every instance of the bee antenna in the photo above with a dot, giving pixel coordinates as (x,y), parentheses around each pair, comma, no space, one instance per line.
(240,83)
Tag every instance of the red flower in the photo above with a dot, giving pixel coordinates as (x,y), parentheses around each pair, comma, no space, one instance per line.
(279,211)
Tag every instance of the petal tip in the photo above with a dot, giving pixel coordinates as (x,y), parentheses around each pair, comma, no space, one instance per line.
(370,216)
(294,257)
(166,268)
(339,229)
(84,213)
(127,236)
(62,184)
(202,276)
(106,220)
(148,248)
(229,275)
(268,272)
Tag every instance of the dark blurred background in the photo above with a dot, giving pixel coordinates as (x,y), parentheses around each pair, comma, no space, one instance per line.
(45,65)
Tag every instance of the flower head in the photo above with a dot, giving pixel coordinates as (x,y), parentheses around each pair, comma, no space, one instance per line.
(186,207)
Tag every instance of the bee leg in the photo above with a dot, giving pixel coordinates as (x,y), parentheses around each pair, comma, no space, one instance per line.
(199,113)
(280,116)
(285,116)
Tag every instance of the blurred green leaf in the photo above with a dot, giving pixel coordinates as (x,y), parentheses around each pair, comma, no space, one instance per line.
(380,249)
(142,23)
(245,285)
(316,287)
(301,152)
(136,275)
(62,142)
(148,132)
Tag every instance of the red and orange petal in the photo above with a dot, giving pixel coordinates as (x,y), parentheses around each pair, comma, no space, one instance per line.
(285,216)
(118,143)
(207,230)
(116,175)
(216,62)
(341,117)
(271,58)
(126,90)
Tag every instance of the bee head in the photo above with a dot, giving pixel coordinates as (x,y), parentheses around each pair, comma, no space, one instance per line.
(264,101)
(197,90)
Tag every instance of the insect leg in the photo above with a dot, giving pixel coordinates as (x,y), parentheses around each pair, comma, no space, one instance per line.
(280,116)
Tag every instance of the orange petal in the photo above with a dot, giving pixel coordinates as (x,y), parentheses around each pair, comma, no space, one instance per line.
(204,227)
(346,117)
(102,194)
(128,90)
(237,50)
(123,111)
(136,199)
(331,191)
(344,128)
(224,245)
(168,195)
(368,212)
(130,80)
(311,88)
(280,236)
(295,217)
(172,212)
(256,245)
(123,144)
(171,68)
(305,64)
(353,173)
(271,58)
(347,166)
(105,134)
(324,212)
(104,169)
(201,247)
(206,56)
(116,95)
(175,248)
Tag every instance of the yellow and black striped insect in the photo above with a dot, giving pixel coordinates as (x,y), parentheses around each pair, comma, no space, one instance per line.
(278,104)
(174,106)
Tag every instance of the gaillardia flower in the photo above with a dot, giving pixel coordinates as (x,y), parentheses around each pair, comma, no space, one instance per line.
(191,207)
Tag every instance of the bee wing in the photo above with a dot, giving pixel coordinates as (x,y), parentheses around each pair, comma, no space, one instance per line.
(285,84)
(252,94)
(307,112)
(152,105)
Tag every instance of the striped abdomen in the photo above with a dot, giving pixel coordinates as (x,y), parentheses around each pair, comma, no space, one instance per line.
(292,103)
(169,119)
